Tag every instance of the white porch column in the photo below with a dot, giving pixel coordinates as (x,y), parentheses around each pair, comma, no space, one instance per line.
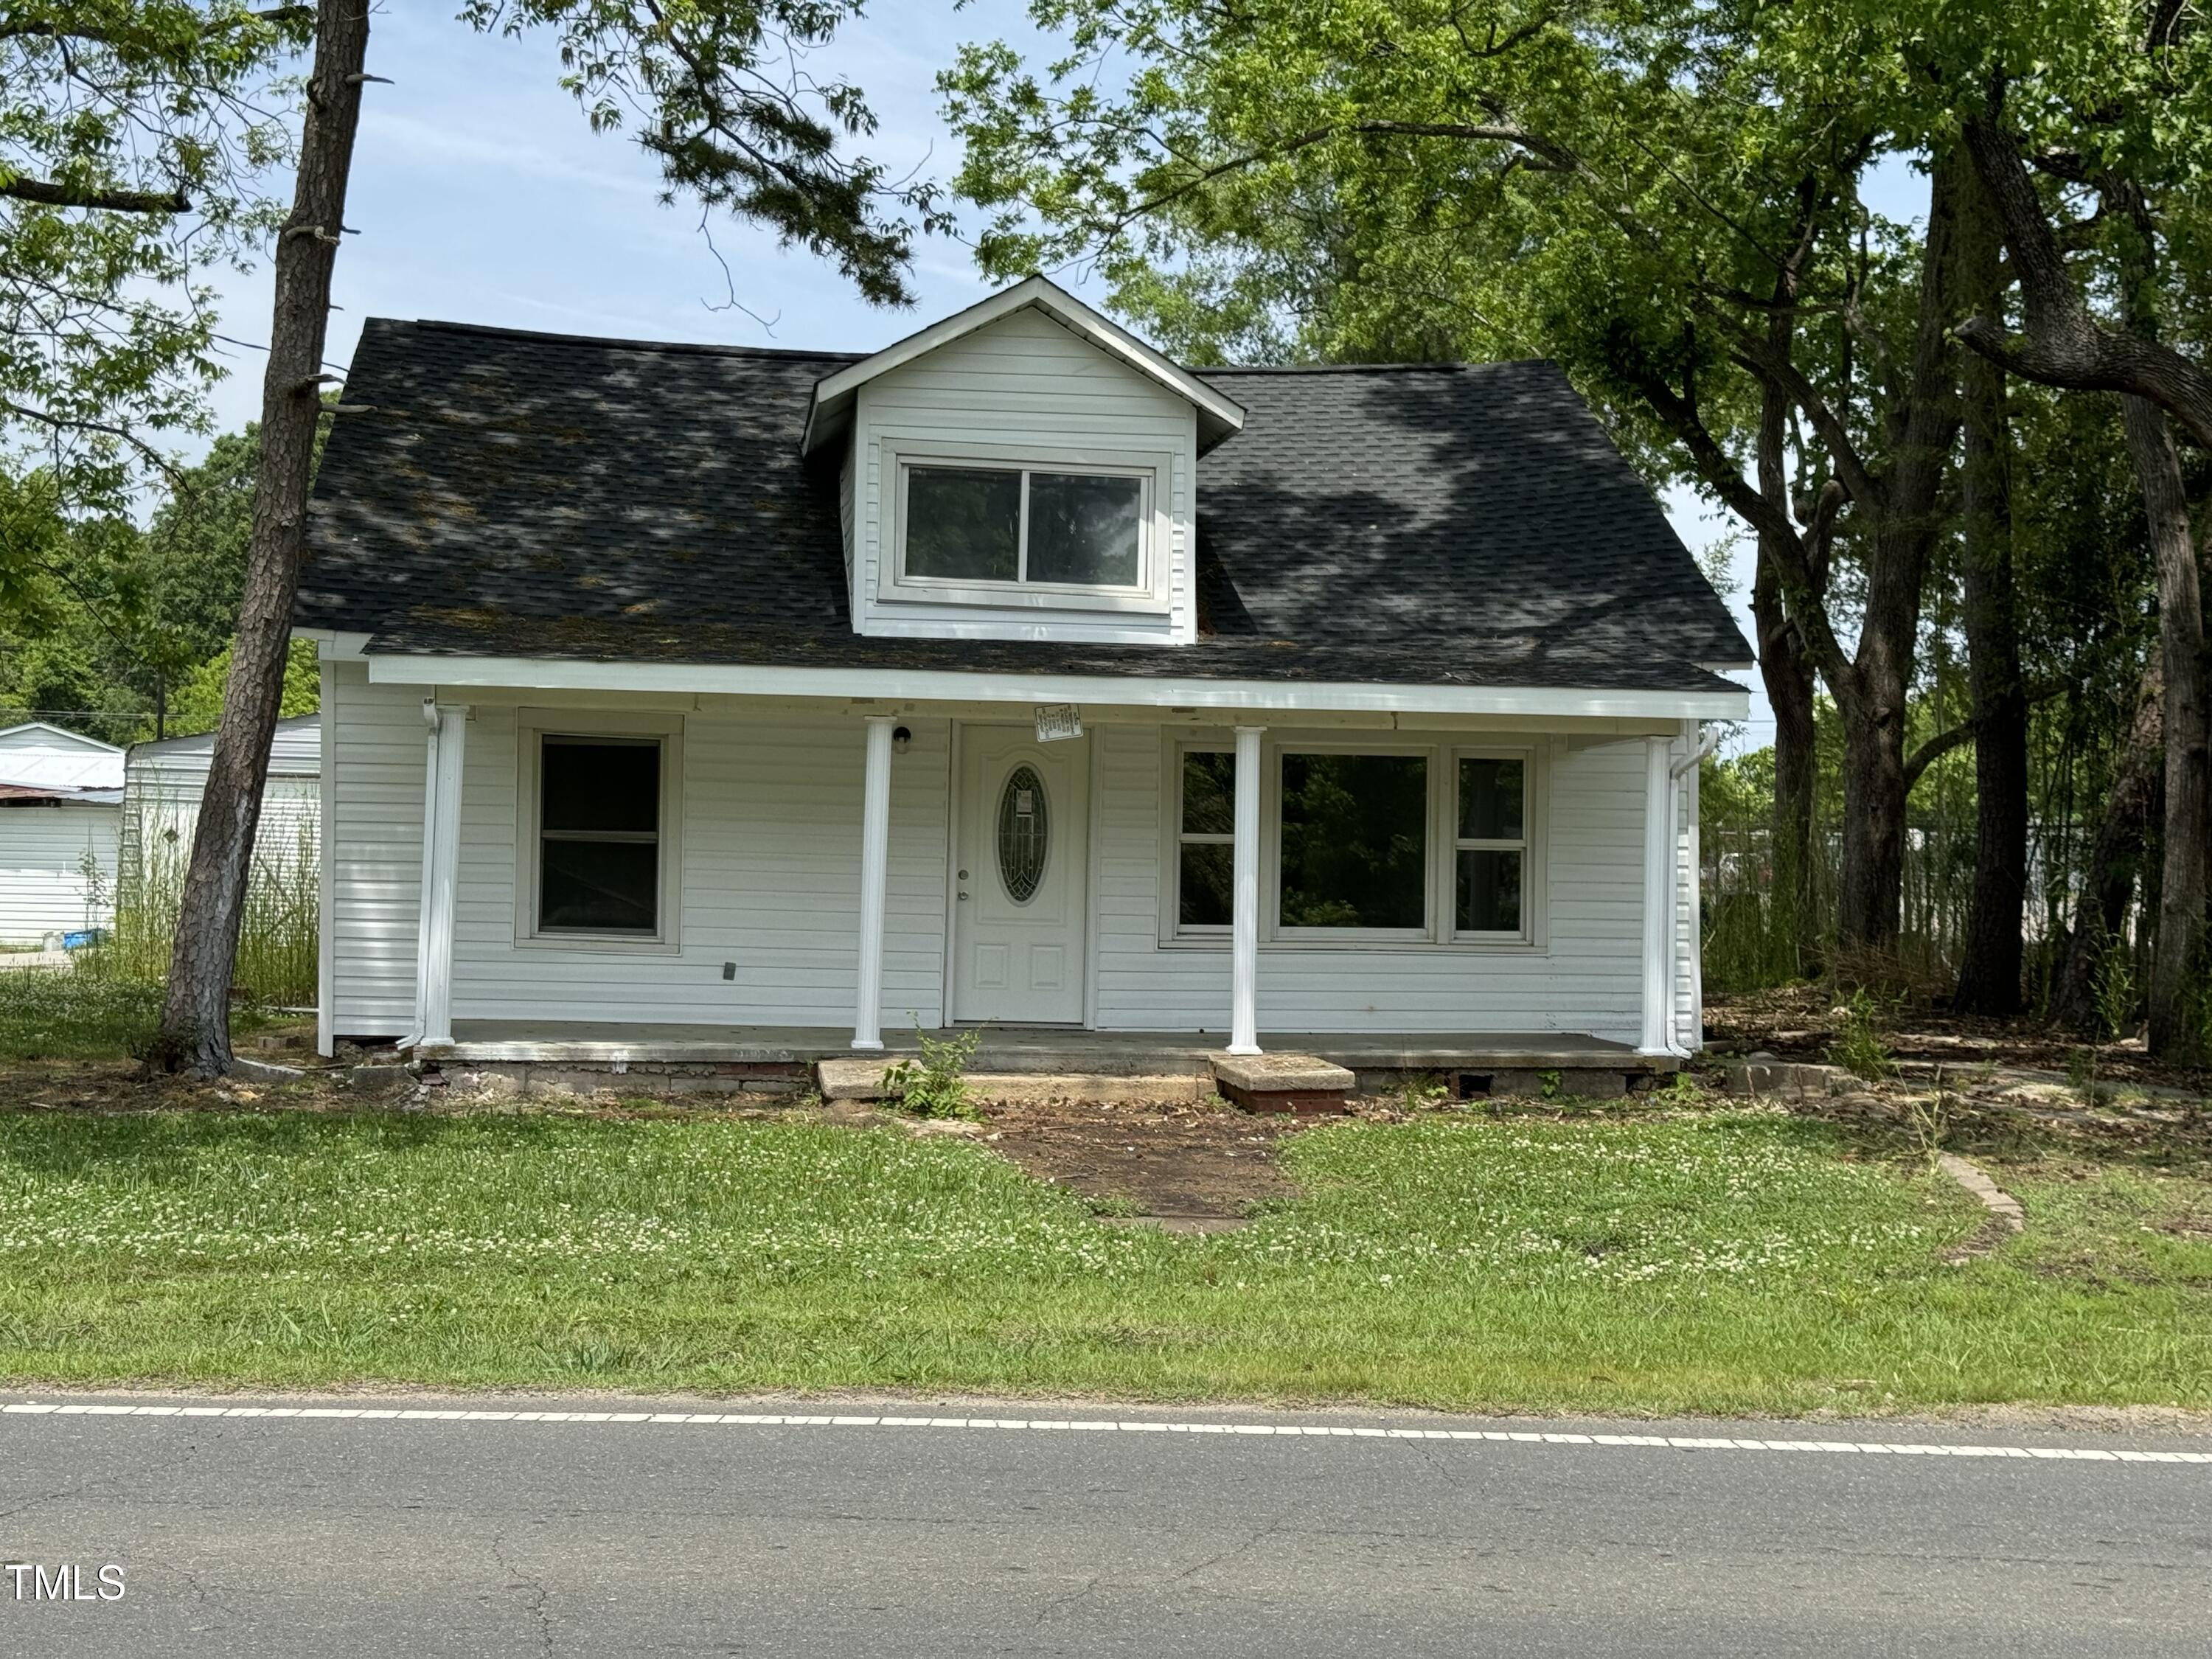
(875,875)
(1245,914)
(446,744)
(1658,896)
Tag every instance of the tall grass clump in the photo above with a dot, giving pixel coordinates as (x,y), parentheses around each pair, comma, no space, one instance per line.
(279,937)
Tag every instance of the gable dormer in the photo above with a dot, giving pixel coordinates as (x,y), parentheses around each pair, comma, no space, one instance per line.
(1024,470)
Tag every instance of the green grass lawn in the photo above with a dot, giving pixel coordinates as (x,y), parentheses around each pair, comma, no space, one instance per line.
(1708,1262)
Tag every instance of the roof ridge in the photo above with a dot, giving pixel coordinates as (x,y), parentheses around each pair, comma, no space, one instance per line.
(702,346)
(1440,367)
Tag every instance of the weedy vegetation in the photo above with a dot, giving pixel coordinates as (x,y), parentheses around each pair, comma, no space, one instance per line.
(1730,1260)
(1858,1048)
(936,1086)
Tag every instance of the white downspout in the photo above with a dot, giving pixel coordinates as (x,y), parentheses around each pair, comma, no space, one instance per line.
(445,748)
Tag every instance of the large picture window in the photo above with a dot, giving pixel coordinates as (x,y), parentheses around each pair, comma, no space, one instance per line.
(1354,841)
(1426,843)
(1023,527)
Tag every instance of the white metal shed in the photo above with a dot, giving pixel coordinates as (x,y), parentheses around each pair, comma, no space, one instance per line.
(60,800)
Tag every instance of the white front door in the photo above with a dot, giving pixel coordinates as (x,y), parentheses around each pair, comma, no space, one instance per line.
(1023,866)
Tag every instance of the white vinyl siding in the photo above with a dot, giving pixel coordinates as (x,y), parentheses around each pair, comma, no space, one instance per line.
(770,802)
(42,852)
(373,846)
(1024,385)
(770,808)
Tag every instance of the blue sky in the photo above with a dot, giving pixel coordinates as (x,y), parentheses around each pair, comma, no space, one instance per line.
(481,195)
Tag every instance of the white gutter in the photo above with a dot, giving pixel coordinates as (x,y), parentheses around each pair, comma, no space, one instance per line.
(1706,744)
(941,685)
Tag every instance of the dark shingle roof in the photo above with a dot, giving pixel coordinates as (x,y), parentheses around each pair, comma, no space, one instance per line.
(536,494)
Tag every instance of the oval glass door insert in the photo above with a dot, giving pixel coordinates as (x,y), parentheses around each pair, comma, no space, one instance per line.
(1022,834)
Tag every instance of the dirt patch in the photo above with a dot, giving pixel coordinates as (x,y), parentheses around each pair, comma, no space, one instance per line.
(1189,1163)
(121,1085)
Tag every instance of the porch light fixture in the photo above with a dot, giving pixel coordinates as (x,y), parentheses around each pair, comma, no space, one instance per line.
(899,737)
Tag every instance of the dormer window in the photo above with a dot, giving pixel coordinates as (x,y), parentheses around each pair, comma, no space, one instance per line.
(1069,534)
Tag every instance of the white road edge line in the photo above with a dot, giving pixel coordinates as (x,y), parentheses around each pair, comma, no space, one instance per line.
(1027,1425)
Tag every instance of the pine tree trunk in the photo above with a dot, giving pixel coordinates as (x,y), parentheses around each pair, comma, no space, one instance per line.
(2175,1029)
(2131,806)
(195,1028)
(1990,967)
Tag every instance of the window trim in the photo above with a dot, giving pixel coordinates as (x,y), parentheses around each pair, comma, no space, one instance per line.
(1440,931)
(1149,593)
(533,726)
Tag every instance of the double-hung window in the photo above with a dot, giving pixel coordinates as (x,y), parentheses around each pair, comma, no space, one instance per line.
(597,862)
(1065,533)
(1490,849)
(1206,841)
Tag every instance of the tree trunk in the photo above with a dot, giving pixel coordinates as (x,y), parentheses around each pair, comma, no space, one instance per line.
(1871,883)
(1988,970)
(195,1029)
(2176,1033)
(1787,674)
(1906,520)
(1785,667)
(2131,805)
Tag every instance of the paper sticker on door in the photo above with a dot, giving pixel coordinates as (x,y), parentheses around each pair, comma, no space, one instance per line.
(1022,834)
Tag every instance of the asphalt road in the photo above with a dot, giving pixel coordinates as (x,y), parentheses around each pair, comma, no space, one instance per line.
(303,1537)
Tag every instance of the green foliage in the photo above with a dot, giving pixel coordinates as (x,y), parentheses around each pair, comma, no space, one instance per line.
(1858,1048)
(2116,994)
(196,705)
(1422,1093)
(937,1084)
(120,625)
(135,139)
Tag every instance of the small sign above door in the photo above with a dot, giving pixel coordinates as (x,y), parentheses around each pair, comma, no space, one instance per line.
(1055,720)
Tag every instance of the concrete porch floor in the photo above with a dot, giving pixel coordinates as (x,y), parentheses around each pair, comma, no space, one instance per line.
(1032,1048)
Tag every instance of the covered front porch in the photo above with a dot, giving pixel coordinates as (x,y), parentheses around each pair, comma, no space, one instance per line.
(840,860)
(1468,1065)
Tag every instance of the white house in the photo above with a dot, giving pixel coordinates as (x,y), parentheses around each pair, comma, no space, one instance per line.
(163,782)
(60,797)
(722,703)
